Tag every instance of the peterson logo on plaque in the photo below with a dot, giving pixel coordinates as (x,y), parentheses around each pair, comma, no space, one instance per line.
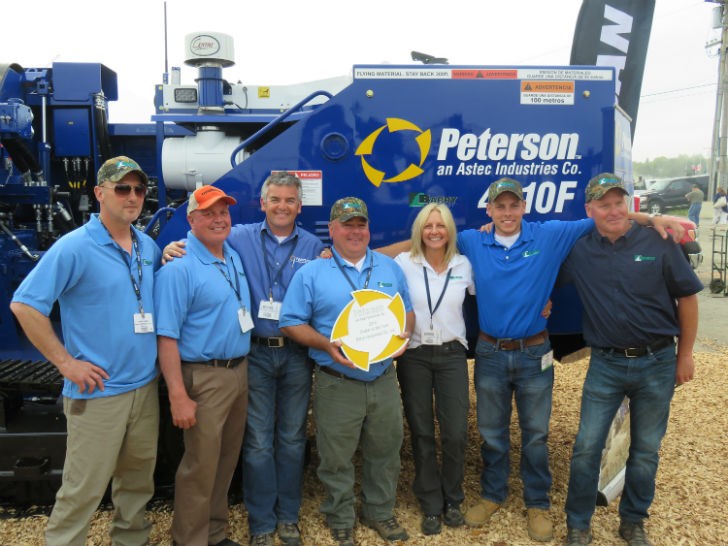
(369,327)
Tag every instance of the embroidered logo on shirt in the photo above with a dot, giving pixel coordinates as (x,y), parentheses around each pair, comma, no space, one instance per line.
(384,284)
(296,260)
(641,258)
(528,253)
(147,262)
(456,277)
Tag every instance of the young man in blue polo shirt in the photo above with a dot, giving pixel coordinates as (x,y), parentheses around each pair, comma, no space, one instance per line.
(102,276)
(639,293)
(515,266)
(352,407)
(203,326)
(279,372)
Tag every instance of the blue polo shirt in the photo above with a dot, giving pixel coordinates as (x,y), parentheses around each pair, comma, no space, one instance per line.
(270,265)
(89,275)
(196,302)
(319,292)
(629,288)
(512,285)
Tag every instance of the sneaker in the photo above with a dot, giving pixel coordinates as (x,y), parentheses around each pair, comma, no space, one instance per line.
(453,517)
(343,537)
(388,529)
(540,527)
(634,533)
(289,533)
(266,539)
(578,537)
(431,525)
(480,514)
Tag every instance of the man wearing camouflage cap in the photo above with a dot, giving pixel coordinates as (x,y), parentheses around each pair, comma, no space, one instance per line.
(352,407)
(102,276)
(515,266)
(639,292)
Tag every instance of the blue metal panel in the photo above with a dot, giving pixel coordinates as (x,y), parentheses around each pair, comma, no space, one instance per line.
(78,82)
(71,132)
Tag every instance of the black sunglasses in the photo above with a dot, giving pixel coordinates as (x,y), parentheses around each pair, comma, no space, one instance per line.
(123,190)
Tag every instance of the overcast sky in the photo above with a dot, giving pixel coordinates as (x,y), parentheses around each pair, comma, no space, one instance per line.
(292,41)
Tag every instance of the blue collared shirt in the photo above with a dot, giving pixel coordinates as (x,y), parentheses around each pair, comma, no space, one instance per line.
(629,288)
(319,292)
(89,275)
(197,301)
(283,260)
(513,284)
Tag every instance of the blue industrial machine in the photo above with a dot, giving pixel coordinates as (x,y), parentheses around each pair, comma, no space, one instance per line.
(397,136)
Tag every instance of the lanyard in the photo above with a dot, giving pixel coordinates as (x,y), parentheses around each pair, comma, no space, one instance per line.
(224,273)
(268,268)
(369,273)
(442,294)
(138,255)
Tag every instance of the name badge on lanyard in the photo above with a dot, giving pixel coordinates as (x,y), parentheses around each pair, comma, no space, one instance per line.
(245,320)
(430,336)
(269,309)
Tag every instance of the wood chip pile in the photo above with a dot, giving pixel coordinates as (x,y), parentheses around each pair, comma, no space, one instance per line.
(689,507)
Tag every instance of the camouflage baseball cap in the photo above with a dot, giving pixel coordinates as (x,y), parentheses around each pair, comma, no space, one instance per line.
(503,185)
(347,208)
(116,168)
(601,184)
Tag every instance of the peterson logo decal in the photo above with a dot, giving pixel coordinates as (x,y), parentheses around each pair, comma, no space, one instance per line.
(366,148)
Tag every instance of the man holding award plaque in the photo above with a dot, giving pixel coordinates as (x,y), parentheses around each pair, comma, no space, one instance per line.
(353,312)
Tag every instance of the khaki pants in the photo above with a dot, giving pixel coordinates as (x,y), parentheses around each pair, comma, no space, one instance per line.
(212,449)
(113,437)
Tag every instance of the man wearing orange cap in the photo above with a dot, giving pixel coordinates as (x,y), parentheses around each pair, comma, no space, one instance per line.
(203,328)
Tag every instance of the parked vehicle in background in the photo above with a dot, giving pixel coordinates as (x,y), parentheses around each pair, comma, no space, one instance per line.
(670,192)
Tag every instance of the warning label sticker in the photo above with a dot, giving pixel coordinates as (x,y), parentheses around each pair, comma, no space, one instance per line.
(547,92)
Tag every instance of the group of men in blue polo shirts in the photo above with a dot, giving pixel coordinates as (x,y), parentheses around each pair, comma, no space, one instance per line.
(235,321)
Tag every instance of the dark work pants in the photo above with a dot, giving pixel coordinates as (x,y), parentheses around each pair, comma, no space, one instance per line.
(442,371)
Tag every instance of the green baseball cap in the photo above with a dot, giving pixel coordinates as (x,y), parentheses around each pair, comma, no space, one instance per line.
(601,184)
(503,185)
(116,168)
(347,208)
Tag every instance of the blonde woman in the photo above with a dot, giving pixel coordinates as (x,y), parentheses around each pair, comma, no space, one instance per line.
(435,363)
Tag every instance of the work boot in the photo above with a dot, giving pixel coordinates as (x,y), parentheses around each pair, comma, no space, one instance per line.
(388,529)
(431,525)
(289,534)
(539,525)
(480,514)
(264,539)
(453,517)
(343,537)
(634,533)
(578,537)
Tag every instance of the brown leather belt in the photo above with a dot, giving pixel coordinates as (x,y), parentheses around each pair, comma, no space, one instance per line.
(219,362)
(327,370)
(273,342)
(509,344)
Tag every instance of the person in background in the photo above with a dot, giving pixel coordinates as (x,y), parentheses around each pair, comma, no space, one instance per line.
(435,363)
(102,275)
(353,408)
(695,198)
(720,207)
(639,293)
(204,322)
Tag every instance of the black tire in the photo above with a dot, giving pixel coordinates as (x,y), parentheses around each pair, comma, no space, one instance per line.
(655,207)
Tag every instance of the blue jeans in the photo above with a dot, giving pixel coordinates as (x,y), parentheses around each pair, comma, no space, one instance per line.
(499,375)
(694,212)
(279,382)
(648,382)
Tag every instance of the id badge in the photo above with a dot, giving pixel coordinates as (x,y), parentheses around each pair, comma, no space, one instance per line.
(547,361)
(245,320)
(269,309)
(431,337)
(143,324)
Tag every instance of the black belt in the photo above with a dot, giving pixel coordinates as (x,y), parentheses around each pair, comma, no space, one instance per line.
(636,352)
(447,345)
(219,362)
(327,370)
(275,342)
(510,344)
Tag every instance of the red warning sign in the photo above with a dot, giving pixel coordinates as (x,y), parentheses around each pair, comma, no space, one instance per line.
(489,74)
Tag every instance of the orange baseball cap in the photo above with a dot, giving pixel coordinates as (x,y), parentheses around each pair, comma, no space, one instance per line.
(206,196)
